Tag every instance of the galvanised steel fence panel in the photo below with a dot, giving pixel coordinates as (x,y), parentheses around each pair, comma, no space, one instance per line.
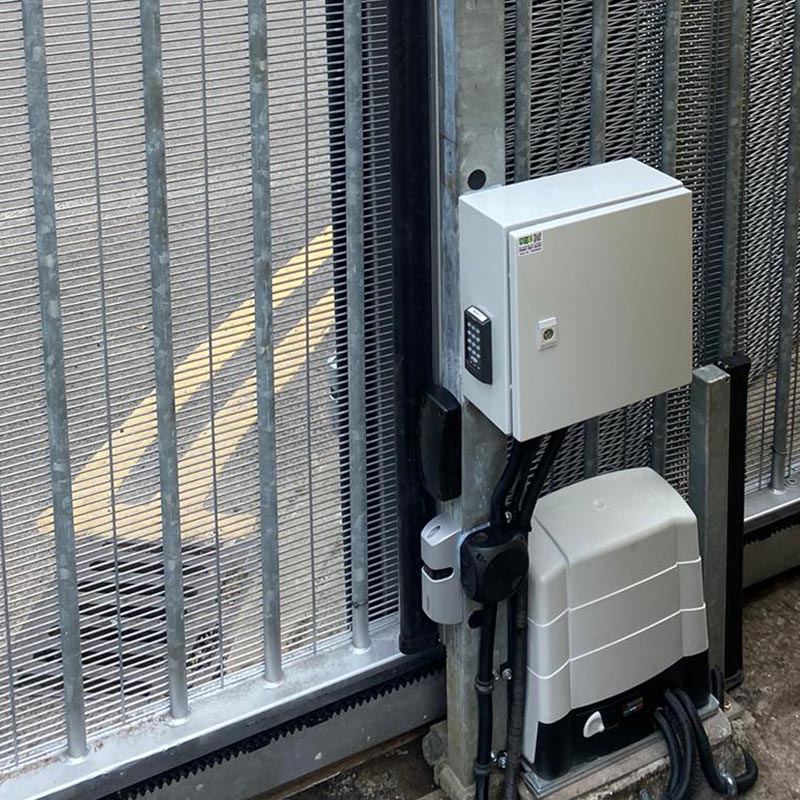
(197,471)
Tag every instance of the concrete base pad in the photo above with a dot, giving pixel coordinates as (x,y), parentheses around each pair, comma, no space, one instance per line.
(621,778)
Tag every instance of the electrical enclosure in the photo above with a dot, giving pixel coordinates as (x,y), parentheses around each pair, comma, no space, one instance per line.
(585,280)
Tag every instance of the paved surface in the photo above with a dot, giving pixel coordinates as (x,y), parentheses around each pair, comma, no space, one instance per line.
(770,727)
(771,692)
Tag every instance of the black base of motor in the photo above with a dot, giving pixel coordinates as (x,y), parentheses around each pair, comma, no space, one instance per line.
(628,718)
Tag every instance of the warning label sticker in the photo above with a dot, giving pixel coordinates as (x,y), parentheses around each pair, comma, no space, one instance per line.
(530,244)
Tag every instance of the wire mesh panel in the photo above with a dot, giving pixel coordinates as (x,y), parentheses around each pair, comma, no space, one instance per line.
(244,182)
(766,132)
(631,95)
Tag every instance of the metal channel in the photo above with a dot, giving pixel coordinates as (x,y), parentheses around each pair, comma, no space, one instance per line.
(733,177)
(357,437)
(708,493)
(163,359)
(53,352)
(788,278)
(669,148)
(265,364)
(597,155)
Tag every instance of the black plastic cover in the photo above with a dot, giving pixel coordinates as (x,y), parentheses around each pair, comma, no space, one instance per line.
(494,562)
(440,444)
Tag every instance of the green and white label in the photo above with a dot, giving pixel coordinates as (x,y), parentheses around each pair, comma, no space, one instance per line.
(530,243)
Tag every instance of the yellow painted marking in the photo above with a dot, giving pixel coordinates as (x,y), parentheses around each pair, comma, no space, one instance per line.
(91,488)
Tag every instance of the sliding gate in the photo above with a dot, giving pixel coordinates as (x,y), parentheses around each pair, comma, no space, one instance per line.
(199,308)
(197,458)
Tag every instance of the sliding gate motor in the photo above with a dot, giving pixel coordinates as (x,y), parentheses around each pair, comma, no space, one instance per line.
(576,300)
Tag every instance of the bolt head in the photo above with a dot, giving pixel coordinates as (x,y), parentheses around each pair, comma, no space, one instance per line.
(507,674)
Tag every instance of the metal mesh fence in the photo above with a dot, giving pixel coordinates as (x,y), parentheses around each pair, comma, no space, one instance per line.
(98,124)
(633,102)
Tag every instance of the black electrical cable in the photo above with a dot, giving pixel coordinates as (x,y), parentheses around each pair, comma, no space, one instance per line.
(505,484)
(517,690)
(530,451)
(686,740)
(543,468)
(525,501)
(676,765)
(716,781)
(484,686)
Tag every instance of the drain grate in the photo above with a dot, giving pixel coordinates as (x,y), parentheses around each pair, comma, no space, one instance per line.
(123,623)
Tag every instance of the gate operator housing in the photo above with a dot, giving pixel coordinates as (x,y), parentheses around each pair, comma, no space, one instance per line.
(616,615)
(576,295)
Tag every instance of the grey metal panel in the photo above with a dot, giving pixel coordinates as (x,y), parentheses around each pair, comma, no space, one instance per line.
(44,208)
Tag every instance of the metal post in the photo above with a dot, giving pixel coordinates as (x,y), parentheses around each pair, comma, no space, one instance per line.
(708,494)
(265,364)
(669,146)
(789,278)
(471,126)
(522,92)
(55,387)
(597,155)
(356,377)
(733,177)
(163,362)
(738,368)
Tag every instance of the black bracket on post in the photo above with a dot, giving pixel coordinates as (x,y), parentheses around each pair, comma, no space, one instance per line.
(738,367)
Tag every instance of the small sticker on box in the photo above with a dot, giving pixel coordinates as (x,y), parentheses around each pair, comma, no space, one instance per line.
(530,244)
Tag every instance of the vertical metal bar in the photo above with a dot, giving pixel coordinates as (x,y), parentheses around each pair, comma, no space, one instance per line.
(265,365)
(789,277)
(669,147)
(163,361)
(522,92)
(672,48)
(708,494)
(733,177)
(55,387)
(597,146)
(738,367)
(597,155)
(357,440)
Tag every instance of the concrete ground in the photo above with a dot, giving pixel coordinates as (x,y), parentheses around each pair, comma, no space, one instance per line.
(771,691)
(770,726)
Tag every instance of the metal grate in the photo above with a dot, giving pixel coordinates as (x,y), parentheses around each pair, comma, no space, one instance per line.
(766,126)
(562,131)
(96,54)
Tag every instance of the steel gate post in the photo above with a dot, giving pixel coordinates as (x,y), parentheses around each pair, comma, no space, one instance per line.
(471,153)
(708,494)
